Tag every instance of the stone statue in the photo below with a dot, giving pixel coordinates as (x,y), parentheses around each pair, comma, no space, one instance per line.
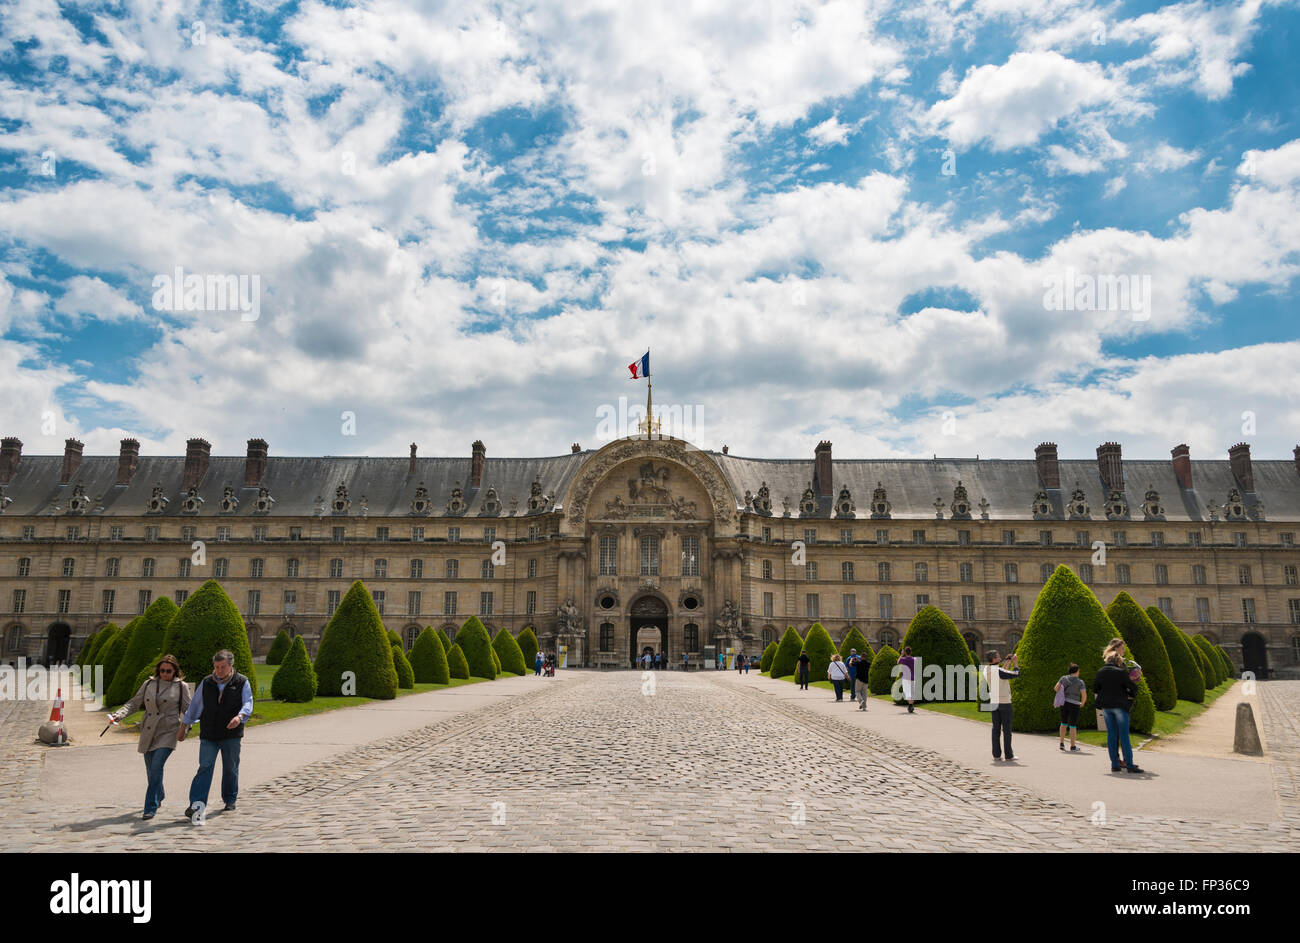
(568,618)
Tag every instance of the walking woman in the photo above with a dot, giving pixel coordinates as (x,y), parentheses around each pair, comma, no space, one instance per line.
(837,673)
(1115,692)
(165,698)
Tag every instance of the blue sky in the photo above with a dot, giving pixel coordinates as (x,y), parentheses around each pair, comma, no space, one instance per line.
(825,221)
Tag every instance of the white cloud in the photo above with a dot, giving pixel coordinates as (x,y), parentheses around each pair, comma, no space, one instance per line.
(1166,157)
(829,132)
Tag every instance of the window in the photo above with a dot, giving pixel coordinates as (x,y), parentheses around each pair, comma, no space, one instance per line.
(336,568)
(888,638)
(259,532)
(846,572)
(1009,538)
(413,602)
(221,569)
(1157,538)
(417,534)
(381,534)
(256,567)
(331,601)
(810,605)
(1010,573)
(485,604)
(767,569)
(882,572)
(142,600)
(1045,538)
(111,566)
(534,531)
(649,556)
(1193,538)
(1293,608)
(1289,574)
(692,637)
(1248,610)
(183,568)
(1081,539)
(380,597)
(767,535)
(921,572)
(918,536)
(449,603)
(295,533)
(1085,572)
(1243,575)
(20,600)
(69,566)
(147,567)
(690,556)
(967,572)
(849,605)
(1119,538)
(29,532)
(1013,608)
(1162,575)
(180,596)
(151,533)
(189,532)
(530,605)
(417,569)
(1287,539)
(1166,604)
(73,533)
(65,600)
(767,605)
(453,569)
(963,538)
(338,534)
(1239,538)
(487,571)
(290,601)
(254,602)
(609,556)
(291,568)
(882,536)
(116,532)
(886,606)
(606,637)
(810,571)
(1202,609)
(1045,572)
(1198,575)
(846,535)
(381,568)
(1122,574)
(532,569)
(24,566)
(968,608)
(922,600)
(223,534)
(810,536)
(110,597)
(453,535)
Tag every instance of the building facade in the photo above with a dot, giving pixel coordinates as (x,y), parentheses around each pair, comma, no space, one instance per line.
(647,543)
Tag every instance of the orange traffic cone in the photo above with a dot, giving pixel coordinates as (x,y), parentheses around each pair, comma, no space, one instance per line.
(57,712)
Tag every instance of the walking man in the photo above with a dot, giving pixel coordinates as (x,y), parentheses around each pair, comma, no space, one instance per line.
(222,702)
(998,679)
(852,663)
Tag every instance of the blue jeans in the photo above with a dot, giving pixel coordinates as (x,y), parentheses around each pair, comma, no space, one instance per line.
(853,683)
(1117,735)
(154,761)
(208,750)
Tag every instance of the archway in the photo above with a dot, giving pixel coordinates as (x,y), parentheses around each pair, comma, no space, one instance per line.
(1254,654)
(648,617)
(57,640)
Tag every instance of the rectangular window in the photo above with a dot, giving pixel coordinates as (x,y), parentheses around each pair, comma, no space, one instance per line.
(259,532)
(1248,610)
(767,605)
(417,569)
(692,639)
(110,597)
(649,556)
(963,538)
(846,571)
(1122,574)
(73,533)
(849,604)
(142,600)
(1013,608)
(29,532)
(69,566)
(918,536)
(489,534)
(1289,574)
(1202,609)
(331,601)
(189,532)
(882,536)
(180,596)
(25,566)
(530,605)
(453,569)
(922,600)
(453,535)
(338,534)
(690,556)
(1119,538)
(609,556)
(111,566)
(846,536)
(882,572)
(1243,575)
(886,606)
(116,532)
(1293,608)
(534,531)
(532,569)
(290,601)
(485,604)
(1287,539)
(1239,538)
(810,536)
(223,534)
(291,568)
(767,569)
(968,608)
(381,568)
(1193,538)
(449,603)
(65,600)
(380,597)
(810,571)
(254,602)
(1085,572)
(1166,604)
(487,571)
(413,602)
(921,572)
(967,572)
(606,637)
(810,605)
(295,533)
(1010,573)
(1045,538)
(1198,575)
(221,569)
(151,533)
(256,567)
(767,535)
(1045,572)
(183,568)
(381,534)
(20,600)
(336,568)
(1081,539)
(417,534)
(1008,538)
(1162,575)
(147,567)
(1157,538)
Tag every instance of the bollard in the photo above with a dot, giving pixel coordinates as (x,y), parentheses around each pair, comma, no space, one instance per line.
(1247,737)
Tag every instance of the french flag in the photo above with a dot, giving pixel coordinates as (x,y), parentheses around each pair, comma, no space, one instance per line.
(640,368)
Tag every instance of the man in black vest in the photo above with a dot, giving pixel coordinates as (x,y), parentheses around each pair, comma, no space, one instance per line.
(222,702)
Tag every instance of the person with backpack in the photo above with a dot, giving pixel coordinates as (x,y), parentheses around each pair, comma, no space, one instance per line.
(852,664)
(837,673)
(165,697)
(801,673)
(1116,692)
(1071,695)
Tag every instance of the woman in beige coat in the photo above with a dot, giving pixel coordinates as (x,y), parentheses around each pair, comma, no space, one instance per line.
(165,698)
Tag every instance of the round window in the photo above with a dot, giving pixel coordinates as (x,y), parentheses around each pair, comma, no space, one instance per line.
(607,602)
(690,602)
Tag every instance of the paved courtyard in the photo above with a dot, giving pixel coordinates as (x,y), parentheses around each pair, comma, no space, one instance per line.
(592,761)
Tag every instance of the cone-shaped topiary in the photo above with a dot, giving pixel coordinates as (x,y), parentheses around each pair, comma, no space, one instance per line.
(279,648)
(787,655)
(207,623)
(393,637)
(934,640)
(528,647)
(496,660)
(144,649)
(474,642)
(509,653)
(1145,648)
(112,655)
(1188,680)
(457,666)
(855,639)
(1202,643)
(765,662)
(446,640)
(87,647)
(405,676)
(820,647)
(101,642)
(355,641)
(428,660)
(1142,717)
(1202,664)
(1067,625)
(295,682)
(880,676)
(1227,661)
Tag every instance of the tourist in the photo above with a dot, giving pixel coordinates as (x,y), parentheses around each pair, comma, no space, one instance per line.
(852,664)
(837,673)
(537,663)
(722,661)
(862,693)
(659,660)
(749,661)
(907,674)
(164,697)
(1116,692)
(686,661)
(804,662)
(998,679)
(1073,694)
(223,702)
(740,663)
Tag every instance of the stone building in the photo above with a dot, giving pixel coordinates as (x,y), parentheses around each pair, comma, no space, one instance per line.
(647,543)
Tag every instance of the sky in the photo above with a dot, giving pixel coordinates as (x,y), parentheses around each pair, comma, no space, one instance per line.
(913,228)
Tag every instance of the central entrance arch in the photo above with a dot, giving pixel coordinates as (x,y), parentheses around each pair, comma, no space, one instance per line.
(649,627)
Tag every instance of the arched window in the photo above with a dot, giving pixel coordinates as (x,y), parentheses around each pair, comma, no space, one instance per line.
(769,636)
(692,637)
(887,637)
(607,636)
(1012,641)
(972,641)
(412,633)
(15,640)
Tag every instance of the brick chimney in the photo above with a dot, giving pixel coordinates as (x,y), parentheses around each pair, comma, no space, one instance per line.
(576,448)
(255,463)
(1111,466)
(1239,456)
(127,459)
(476,464)
(1182,458)
(411,470)
(1049,472)
(11,449)
(823,482)
(71,460)
(197,453)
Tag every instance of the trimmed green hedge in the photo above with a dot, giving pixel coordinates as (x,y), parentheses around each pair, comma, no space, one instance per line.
(1211,659)
(113,654)
(428,660)
(509,653)
(880,678)
(1146,648)
(279,648)
(445,639)
(87,647)
(855,639)
(1189,683)
(457,665)
(355,641)
(393,637)
(496,659)
(474,642)
(205,624)
(1142,717)
(820,647)
(144,649)
(787,654)
(528,646)
(405,676)
(296,680)
(1202,663)
(102,639)
(1067,625)
(1227,662)
(765,662)
(934,640)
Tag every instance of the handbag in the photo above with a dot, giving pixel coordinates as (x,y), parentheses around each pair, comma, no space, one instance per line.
(1059,700)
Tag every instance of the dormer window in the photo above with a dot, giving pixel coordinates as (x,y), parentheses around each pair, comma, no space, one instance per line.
(264,501)
(78,503)
(192,502)
(229,503)
(157,501)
